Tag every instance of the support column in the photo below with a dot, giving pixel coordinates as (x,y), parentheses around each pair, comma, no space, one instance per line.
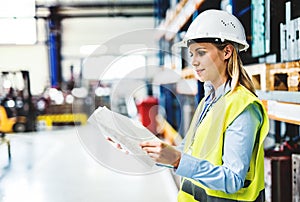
(54,45)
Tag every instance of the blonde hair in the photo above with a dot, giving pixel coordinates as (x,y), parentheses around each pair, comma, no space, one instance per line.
(235,70)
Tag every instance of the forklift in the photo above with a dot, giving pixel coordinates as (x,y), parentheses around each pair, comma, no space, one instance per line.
(17,111)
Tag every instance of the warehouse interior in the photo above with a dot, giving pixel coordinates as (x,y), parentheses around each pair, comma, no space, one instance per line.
(62,59)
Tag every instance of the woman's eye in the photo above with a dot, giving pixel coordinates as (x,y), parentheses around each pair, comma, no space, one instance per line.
(201,53)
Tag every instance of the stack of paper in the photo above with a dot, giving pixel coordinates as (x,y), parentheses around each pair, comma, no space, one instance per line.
(125,131)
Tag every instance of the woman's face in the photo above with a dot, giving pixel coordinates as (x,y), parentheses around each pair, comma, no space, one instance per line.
(209,63)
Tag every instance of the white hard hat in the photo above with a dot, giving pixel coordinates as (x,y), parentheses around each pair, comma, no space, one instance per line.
(215,26)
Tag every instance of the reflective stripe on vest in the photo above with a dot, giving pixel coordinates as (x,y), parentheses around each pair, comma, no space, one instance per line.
(199,194)
(208,144)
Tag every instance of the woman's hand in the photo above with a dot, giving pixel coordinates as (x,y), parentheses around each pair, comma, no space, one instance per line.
(162,153)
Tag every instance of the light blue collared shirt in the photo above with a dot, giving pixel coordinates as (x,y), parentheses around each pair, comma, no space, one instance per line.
(238,145)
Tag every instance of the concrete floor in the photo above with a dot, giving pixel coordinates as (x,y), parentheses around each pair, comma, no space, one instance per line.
(52,166)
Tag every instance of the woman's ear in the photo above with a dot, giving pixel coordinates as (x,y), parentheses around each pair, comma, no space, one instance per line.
(228,51)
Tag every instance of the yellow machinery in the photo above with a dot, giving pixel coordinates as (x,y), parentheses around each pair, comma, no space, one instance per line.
(12,124)
(17,113)
(49,119)
(6,124)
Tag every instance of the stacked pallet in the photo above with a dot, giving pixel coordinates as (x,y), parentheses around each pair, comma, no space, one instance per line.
(278,76)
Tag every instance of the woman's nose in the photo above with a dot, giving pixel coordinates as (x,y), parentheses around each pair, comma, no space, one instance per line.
(195,62)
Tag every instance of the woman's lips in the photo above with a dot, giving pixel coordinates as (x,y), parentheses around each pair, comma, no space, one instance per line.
(199,71)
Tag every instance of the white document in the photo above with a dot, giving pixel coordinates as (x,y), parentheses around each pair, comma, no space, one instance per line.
(125,131)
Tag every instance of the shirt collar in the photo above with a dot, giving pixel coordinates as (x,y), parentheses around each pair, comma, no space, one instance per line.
(222,90)
(219,92)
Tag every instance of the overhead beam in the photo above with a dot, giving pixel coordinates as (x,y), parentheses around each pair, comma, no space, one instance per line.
(133,4)
(97,9)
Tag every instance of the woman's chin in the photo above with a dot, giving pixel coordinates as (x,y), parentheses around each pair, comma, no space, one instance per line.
(200,78)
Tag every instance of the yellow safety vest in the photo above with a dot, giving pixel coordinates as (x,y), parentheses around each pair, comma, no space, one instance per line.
(206,142)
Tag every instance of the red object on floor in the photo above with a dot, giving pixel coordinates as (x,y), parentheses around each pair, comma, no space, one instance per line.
(148,109)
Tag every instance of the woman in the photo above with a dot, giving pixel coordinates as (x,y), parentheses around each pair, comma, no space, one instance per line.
(222,156)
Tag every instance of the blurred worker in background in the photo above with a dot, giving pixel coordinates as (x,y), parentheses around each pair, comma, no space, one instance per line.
(222,156)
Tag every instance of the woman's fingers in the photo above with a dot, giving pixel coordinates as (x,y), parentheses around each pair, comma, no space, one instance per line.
(151,144)
(161,152)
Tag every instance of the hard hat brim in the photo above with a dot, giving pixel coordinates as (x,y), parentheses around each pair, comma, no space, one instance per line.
(242,45)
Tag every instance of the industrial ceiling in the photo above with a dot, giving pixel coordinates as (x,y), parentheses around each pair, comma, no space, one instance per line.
(92,22)
(96,8)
